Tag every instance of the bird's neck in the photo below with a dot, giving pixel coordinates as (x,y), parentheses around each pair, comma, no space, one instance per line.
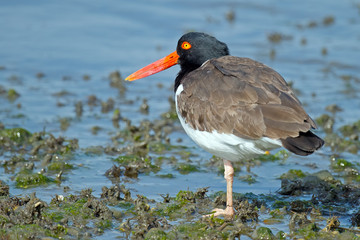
(183,72)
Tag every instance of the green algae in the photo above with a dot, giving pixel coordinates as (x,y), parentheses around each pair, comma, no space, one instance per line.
(307,230)
(280,235)
(340,164)
(12,94)
(103,224)
(185,196)
(185,168)
(28,231)
(159,147)
(17,135)
(144,218)
(280,204)
(293,174)
(173,210)
(183,205)
(196,230)
(125,205)
(263,233)
(74,207)
(55,216)
(60,166)
(30,218)
(26,178)
(332,230)
(81,209)
(156,234)
(345,169)
(185,154)
(278,213)
(180,206)
(247,211)
(3,220)
(128,159)
(280,155)
(171,115)
(248,179)
(134,164)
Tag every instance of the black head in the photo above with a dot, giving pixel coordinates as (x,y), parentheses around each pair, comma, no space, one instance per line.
(195,48)
(192,51)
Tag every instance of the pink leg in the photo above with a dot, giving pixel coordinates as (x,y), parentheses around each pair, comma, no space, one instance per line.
(229,177)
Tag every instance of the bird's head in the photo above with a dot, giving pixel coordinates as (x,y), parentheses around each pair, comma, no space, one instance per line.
(193,49)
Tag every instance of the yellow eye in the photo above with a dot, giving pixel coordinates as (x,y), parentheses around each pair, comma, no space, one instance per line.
(185,45)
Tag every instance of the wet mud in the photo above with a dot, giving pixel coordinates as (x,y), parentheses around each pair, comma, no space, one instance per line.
(310,205)
(176,217)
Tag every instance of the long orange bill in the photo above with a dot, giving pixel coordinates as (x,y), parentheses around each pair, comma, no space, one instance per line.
(155,67)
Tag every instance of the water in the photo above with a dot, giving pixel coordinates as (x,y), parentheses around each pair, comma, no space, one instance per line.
(73,38)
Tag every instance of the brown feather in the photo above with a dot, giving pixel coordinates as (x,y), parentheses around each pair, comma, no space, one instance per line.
(304,144)
(242,97)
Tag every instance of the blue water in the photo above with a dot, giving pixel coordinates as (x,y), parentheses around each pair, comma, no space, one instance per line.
(73,38)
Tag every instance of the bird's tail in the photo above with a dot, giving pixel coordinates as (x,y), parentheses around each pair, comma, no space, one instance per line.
(305,144)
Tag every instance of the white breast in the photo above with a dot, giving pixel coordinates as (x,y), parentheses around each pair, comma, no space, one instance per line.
(227,146)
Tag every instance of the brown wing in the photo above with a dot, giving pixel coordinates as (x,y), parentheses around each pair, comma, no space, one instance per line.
(242,97)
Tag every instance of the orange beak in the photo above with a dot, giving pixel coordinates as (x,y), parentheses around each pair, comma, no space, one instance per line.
(155,67)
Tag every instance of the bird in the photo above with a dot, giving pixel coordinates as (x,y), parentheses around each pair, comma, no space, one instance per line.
(233,107)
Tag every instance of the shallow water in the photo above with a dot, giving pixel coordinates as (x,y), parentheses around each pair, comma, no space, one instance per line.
(72,38)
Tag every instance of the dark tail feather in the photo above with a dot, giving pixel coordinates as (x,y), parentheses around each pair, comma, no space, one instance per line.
(304,144)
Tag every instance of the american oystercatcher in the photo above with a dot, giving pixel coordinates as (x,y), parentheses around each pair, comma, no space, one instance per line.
(234,108)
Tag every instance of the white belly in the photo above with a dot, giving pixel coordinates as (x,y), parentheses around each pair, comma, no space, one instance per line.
(227,146)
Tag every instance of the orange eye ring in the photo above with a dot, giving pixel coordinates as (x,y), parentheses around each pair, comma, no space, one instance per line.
(186,45)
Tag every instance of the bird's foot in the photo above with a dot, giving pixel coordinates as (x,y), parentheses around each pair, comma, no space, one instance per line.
(227,213)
